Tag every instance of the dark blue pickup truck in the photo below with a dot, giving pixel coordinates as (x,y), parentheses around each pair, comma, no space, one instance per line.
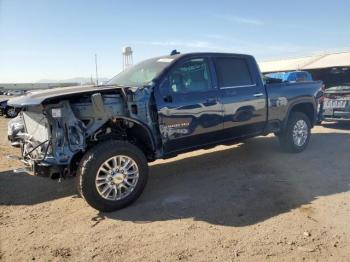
(106,135)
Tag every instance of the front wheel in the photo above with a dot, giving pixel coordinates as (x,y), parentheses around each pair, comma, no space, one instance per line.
(112,175)
(296,136)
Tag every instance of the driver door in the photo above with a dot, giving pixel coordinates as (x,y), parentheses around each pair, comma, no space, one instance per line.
(189,112)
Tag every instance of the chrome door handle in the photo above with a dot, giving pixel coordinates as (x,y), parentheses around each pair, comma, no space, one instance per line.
(258,94)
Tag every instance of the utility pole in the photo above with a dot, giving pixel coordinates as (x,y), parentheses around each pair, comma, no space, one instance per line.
(96,70)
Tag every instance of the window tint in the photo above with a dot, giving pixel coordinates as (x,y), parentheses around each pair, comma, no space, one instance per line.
(292,77)
(301,76)
(232,72)
(192,76)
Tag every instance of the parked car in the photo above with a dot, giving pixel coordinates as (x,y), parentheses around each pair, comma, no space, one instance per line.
(336,105)
(7,110)
(293,76)
(161,107)
(15,92)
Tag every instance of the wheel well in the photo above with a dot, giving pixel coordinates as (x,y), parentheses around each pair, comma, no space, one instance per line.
(126,130)
(307,109)
(140,136)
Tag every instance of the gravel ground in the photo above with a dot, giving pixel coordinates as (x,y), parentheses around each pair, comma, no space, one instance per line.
(248,202)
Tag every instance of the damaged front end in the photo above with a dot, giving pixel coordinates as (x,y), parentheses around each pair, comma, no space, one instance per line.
(53,134)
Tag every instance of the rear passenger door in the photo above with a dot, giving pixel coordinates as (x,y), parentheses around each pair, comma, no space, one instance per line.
(242,95)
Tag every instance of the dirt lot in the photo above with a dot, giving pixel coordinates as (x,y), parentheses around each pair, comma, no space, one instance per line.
(248,202)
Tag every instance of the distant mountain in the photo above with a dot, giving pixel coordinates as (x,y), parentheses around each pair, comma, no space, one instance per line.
(83,80)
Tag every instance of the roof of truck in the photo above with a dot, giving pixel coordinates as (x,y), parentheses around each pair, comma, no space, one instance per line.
(207,54)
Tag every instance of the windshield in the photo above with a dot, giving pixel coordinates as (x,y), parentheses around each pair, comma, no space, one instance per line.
(141,74)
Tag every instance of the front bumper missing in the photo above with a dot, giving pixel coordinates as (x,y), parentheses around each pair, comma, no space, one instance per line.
(28,169)
(35,169)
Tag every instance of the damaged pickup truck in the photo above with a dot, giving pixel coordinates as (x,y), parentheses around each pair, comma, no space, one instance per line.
(106,135)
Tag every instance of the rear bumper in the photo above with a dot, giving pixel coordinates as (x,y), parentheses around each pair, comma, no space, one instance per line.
(35,169)
(330,119)
(337,116)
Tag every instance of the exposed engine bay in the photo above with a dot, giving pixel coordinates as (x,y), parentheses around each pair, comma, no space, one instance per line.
(53,134)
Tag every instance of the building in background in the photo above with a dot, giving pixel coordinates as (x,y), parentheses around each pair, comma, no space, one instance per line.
(332,68)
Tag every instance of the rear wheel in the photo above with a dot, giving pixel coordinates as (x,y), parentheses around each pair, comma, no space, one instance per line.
(296,136)
(112,175)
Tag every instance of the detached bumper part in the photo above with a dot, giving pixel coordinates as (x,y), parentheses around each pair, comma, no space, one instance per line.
(36,169)
(23,170)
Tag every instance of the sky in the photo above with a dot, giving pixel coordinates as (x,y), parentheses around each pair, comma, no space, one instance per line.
(57,39)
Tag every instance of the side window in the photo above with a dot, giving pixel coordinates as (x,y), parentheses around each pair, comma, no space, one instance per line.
(192,76)
(301,77)
(233,72)
(292,77)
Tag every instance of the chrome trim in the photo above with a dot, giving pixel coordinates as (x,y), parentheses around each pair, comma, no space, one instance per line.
(231,87)
(258,94)
(300,133)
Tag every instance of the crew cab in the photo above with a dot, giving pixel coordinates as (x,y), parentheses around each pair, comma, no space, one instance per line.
(161,107)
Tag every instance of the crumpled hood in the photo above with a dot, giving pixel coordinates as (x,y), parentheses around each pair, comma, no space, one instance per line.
(38,97)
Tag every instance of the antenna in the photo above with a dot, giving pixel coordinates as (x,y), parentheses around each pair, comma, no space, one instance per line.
(96,69)
(174,52)
(127,57)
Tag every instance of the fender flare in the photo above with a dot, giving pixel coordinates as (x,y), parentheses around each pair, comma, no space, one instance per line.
(297,102)
(145,127)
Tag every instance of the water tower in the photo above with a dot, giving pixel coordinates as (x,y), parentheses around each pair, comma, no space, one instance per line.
(127,57)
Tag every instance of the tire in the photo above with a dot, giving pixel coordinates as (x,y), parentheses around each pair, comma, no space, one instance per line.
(11,112)
(93,166)
(298,127)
